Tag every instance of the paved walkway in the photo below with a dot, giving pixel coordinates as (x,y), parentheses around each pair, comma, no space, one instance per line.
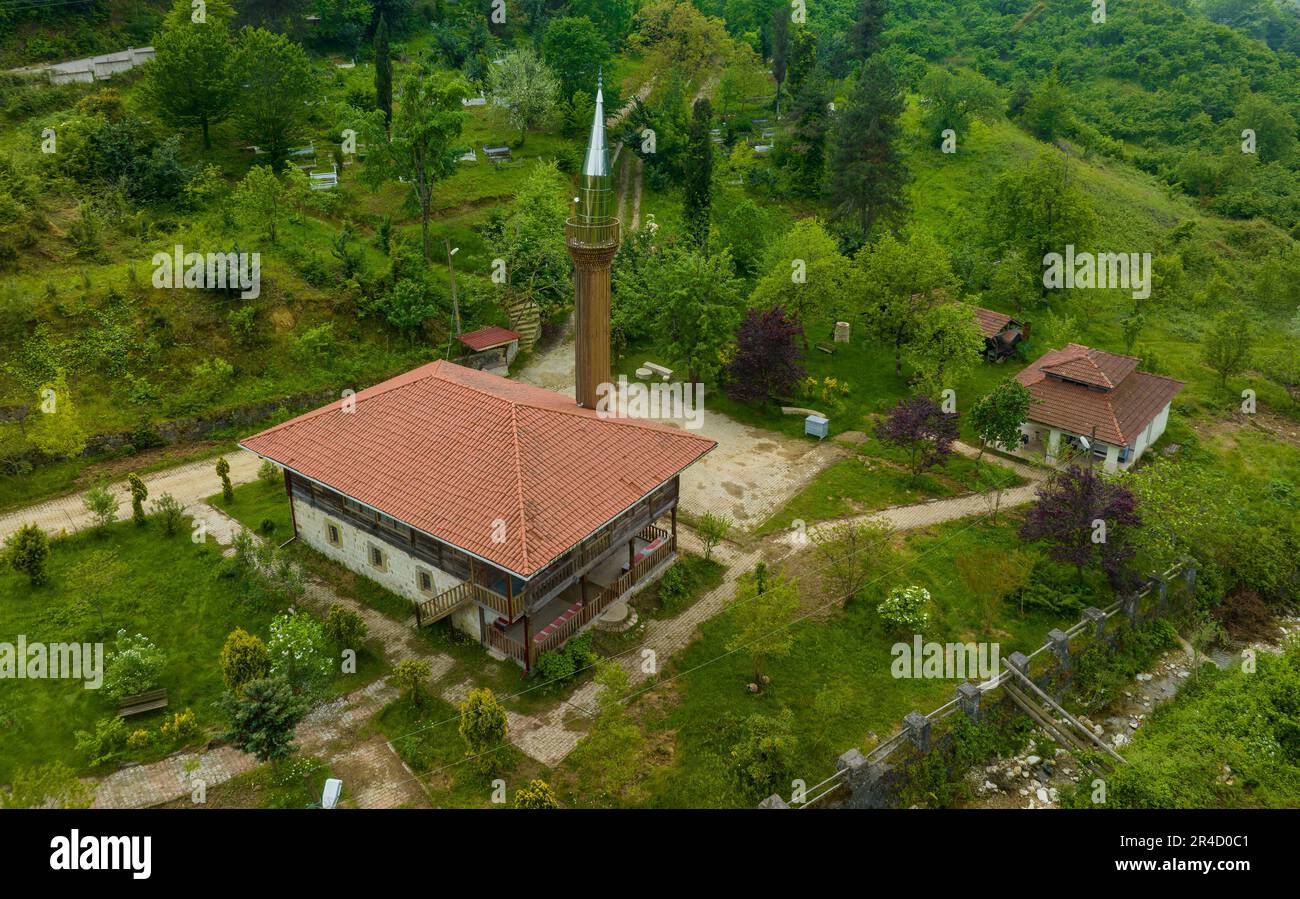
(191,484)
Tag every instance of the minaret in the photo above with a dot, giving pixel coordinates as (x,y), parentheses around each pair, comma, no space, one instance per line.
(592,238)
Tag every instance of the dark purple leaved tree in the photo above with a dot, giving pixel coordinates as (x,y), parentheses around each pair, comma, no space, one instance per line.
(921,429)
(1086,518)
(768,356)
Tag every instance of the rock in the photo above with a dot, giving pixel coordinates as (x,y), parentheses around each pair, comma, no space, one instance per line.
(1024,792)
(1145,677)
(1033,760)
(1120,740)
(1133,724)
(753,688)
(1052,794)
(990,786)
(1042,795)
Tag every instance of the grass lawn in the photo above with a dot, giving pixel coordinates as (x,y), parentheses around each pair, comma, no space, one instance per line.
(297,782)
(427,737)
(837,679)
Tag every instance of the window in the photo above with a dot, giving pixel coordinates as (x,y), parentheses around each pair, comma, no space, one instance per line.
(377,557)
(332,534)
(425,580)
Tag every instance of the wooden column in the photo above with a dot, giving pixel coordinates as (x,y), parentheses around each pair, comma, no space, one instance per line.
(288,489)
(674,524)
(582,587)
(631,553)
(528,647)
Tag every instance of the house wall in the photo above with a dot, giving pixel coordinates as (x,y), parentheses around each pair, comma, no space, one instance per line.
(400,573)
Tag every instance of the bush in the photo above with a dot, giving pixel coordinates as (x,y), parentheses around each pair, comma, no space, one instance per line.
(556,666)
(298,651)
(269,474)
(180,726)
(139,739)
(266,528)
(102,506)
(244,658)
(344,627)
(169,511)
(904,608)
(134,667)
(27,551)
(763,758)
(484,727)
(538,794)
(104,743)
(674,586)
(409,675)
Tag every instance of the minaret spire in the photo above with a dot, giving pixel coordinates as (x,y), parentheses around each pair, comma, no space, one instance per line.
(592,238)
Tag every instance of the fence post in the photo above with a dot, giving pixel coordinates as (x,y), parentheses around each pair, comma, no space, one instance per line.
(968,700)
(1130,601)
(918,730)
(773,801)
(1059,641)
(1162,593)
(1189,575)
(1020,662)
(1098,619)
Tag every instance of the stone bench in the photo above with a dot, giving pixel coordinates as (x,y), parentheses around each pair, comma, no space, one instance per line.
(664,373)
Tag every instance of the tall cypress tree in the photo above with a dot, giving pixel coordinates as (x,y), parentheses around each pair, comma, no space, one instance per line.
(383,71)
(780,48)
(698,192)
(867,171)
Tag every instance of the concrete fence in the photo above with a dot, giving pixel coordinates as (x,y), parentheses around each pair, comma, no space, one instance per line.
(870,780)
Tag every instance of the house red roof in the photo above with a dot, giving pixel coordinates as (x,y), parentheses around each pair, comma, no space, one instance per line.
(487,338)
(990,322)
(451,451)
(1078,389)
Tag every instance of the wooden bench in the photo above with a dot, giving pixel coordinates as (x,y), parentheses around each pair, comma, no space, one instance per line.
(143,702)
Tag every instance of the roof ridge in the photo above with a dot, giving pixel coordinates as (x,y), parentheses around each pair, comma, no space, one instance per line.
(643,424)
(519,485)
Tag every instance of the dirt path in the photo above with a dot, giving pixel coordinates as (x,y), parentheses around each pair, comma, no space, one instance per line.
(191,484)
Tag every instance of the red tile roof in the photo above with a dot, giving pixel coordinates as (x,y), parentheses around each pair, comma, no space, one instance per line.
(486,338)
(990,322)
(450,451)
(1119,412)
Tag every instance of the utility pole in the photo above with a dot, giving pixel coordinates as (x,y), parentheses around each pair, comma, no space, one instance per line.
(455,302)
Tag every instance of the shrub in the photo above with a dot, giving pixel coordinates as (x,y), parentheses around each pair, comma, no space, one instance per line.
(409,675)
(483,727)
(223,472)
(102,506)
(556,666)
(104,743)
(538,794)
(905,608)
(244,658)
(344,627)
(180,726)
(674,586)
(762,759)
(139,739)
(298,650)
(28,550)
(134,666)
(169,511)
(713,530)
(40,785)
(263,716)
(139,493)
(266,528)
(269,473)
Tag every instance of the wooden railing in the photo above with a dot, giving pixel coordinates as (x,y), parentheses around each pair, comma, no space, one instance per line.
(606,596)
(512,648)
(446,602)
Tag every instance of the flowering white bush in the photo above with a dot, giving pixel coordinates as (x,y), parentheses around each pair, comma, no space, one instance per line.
(134,667)
(298,649)
(905,608)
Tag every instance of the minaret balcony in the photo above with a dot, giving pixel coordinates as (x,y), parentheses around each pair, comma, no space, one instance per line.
(588,234)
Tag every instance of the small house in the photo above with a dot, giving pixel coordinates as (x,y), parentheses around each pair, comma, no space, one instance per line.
(490,349)
(1098,402)
(1003,335)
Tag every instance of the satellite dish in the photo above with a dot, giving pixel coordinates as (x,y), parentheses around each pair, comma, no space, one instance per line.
(1085,444)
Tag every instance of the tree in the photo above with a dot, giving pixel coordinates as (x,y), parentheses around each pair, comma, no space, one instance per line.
(610,758)
(1047,114)
(27,551)
(102,505)
(955,98)
(576,52)
(765,755)
(57,429)
(697,190)
(780,49)
(743,78)
(899,283)
(946,347)
(409,305)
(383,71)
(272,109)
(409,676)
(188,82)
(613,17)
(260,199)
(223,472)
(41,785)
(527,88)
(297,648)
(170,511)
(674,36)
(997,416)
(537,795)
(803,156)
(763,609)
(922,430)
(244,658)
(1085,518)
(139,493)
(867,171)
(1273,126)
(483,727)
(713,529)
(806,275)
(803,58)
(865,36)
(421,149)
(1039,209)
(263,715)
(852,552)
(539,271)
(344,628)
(1227,344)
(768,358)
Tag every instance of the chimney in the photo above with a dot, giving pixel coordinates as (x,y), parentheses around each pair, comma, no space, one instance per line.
(592,238)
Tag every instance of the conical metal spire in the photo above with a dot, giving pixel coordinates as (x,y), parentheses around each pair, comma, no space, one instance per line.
(595,213)
(597,161)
